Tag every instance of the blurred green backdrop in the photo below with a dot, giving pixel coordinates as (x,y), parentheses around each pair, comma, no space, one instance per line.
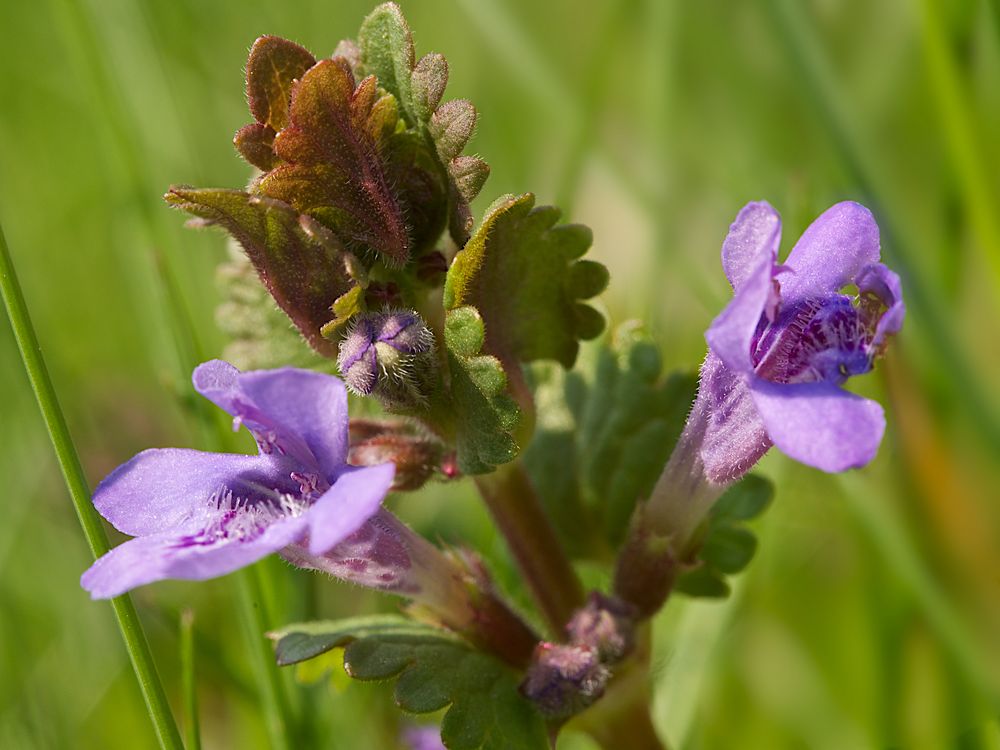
(870,618)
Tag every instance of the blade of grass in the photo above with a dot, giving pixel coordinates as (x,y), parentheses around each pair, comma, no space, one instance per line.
(687,635)
(525,64)
(92,67)
(536,75)
(188,682)
(962,137)
(879,520)
(188,350)
(253,615)
(661,23)
(820,86)
(598,74)
(69,462)
(995,14)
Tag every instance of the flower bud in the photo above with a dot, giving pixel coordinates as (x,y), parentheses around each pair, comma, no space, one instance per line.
(390,355)
(606,624)
(564,680)
(417,453)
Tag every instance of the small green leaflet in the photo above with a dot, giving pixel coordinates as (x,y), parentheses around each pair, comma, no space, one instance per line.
(512,295)
(486,417)
(386,51)
(605,432)
(522,272)
(432,669)
(728,545)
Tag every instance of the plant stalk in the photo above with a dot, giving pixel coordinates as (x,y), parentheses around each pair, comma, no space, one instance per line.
(663,535)
(274,697)
(621,719)
(188,681)
(93,60)
(69,462)
(514,505)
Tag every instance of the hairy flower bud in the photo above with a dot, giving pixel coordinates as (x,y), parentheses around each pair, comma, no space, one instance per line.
(417,453)
(564,680)
(390,355)
(606,624)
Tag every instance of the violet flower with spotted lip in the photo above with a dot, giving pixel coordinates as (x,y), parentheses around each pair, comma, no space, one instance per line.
(778,355)
(790,338)
(198,515)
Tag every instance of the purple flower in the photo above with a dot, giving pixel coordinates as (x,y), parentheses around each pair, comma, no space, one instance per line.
(198,515)
(778,355)
(790,338)
(424,737)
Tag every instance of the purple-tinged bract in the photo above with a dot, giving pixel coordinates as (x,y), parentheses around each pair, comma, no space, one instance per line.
(198,515)
(790,338)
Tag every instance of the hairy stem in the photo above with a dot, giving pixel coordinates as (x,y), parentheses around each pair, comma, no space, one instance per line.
(683,495)
(663,533)
(451,590)
(515,508)
(69,461)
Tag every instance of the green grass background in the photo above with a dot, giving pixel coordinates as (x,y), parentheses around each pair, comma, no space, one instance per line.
(871,616)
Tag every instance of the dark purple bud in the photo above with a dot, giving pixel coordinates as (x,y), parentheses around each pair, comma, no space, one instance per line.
(606,624)
(564,680)
(390,355)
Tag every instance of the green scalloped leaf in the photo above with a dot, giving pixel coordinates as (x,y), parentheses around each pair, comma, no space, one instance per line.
(728,545)
(729,548)
(604,433)
(385,50)
(303,273)
(704,583)
(386,46)
(522,272)
(745,500)
(432,669)
(485,415)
